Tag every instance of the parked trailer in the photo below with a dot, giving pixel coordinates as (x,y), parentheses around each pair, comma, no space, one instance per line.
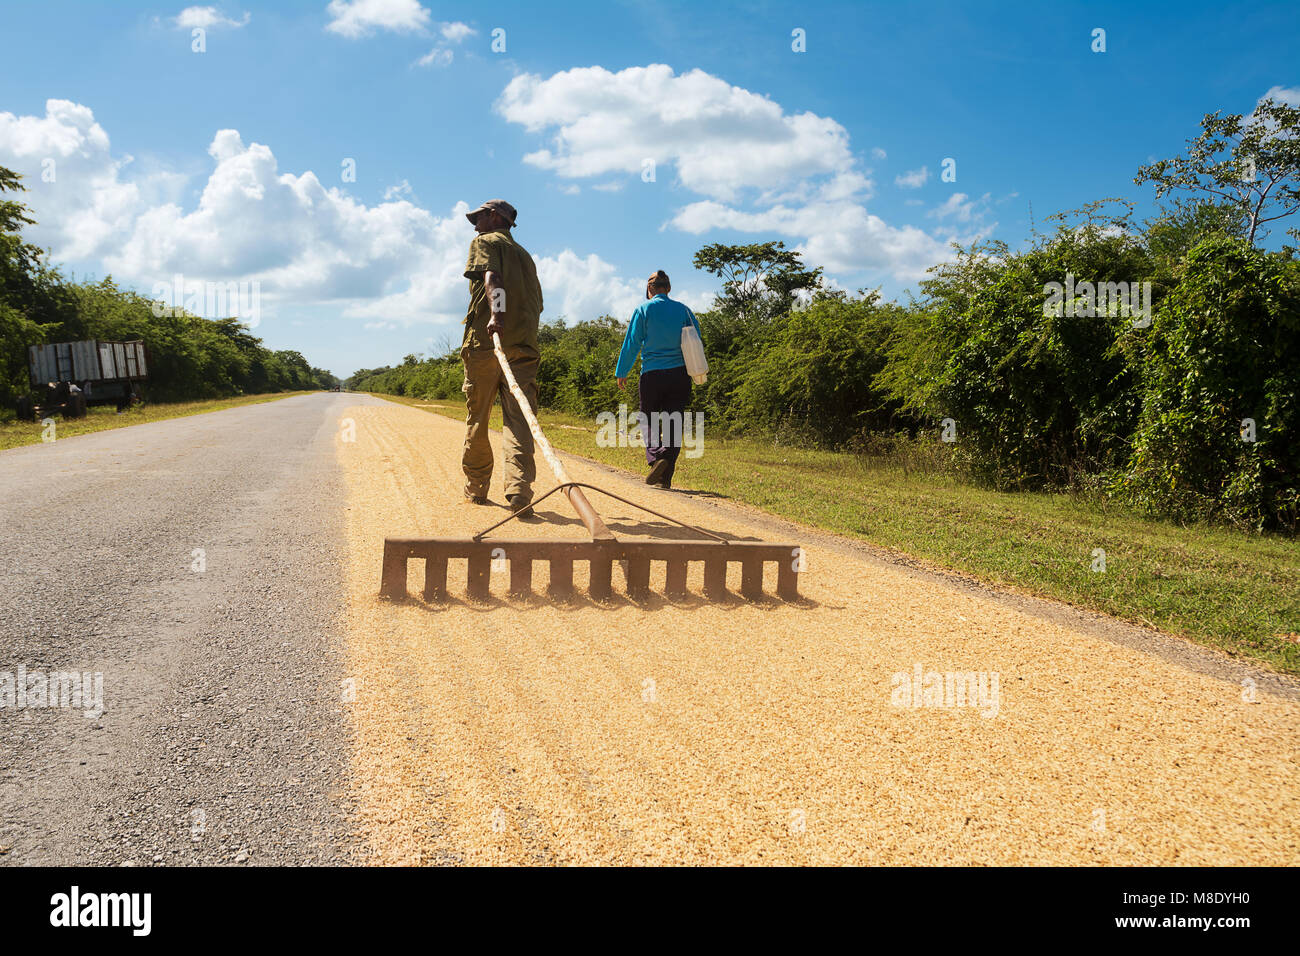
(68,377)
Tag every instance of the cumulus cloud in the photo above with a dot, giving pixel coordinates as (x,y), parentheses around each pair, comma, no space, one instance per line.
(913,178)
(842,237)
(72,180)
(588,286)
(721,139)
(207,17)
(305,242)
(759,168)
(358,18)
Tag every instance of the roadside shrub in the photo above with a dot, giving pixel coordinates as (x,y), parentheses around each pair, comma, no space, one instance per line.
(1038,396)
(1225,347)
(813,374)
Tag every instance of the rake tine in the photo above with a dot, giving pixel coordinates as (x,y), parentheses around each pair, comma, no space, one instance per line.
(561,577)
(751,578)
(435,577)
(393,579)
(787,581)
(521,574)
(600,586)
(480,568)
(715,578)
(675,582)
(393,582)
(638,578)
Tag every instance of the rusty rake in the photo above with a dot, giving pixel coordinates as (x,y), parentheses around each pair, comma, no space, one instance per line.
(483,555)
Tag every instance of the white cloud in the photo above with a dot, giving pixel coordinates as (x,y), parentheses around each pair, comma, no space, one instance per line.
(760,168)
(955,205)
(86,206)
(456,32)
(401,190)
(842,237)
(720,138)
(583,288)
(438,56)
(306,243)
(207,17)
(1290,95)
(878,153)
(961,207)
(358,18)
(697,300)
(441,55)
(913,178)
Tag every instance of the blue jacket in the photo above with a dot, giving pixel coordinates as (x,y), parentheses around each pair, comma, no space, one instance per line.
(655,333)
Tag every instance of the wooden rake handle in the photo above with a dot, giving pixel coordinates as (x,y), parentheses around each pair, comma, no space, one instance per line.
(586,513)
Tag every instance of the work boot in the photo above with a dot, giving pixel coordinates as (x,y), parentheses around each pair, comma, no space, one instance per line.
(658,473)
(476,499)
(516,502)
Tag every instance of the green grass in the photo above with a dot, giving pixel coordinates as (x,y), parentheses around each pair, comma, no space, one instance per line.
(101,418)
(1235,591)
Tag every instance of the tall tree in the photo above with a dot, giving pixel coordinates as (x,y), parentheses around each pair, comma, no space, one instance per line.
(759,279)
(1251,163)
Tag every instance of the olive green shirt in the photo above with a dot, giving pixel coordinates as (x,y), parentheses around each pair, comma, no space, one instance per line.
(498,252)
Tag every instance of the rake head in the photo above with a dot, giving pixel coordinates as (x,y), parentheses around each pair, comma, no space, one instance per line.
(483,556)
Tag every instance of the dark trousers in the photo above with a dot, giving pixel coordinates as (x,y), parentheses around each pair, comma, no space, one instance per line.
(664,390)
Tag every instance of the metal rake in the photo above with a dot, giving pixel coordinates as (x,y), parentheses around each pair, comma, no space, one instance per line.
(482,555)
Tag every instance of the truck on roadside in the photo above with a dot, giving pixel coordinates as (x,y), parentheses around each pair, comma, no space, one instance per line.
(69,377)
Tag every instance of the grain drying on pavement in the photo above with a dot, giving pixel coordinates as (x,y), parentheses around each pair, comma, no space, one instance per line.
(521,731)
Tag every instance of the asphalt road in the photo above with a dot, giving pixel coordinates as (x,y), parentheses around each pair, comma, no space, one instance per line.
(224,735)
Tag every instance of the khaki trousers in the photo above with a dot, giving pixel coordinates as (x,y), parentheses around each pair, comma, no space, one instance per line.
(483,382)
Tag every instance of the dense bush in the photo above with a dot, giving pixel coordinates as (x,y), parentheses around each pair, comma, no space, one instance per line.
(813,371)
(1039,393)
(1224,348)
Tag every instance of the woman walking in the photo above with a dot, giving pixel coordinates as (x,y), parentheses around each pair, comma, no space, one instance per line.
(655,333)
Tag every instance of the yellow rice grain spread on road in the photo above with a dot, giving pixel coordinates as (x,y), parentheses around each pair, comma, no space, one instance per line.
(684,732)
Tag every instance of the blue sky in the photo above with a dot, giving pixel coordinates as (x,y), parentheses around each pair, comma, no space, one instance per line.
(228,164)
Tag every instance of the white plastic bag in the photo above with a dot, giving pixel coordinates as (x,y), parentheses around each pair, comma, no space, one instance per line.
(697,366)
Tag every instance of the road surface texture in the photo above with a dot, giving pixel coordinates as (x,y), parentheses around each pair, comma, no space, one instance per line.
(271,708)
(224,736)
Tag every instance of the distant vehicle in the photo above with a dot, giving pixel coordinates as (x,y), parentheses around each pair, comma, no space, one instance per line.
(68,377)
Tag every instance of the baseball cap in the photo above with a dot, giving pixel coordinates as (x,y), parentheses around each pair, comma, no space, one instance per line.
(495,205)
